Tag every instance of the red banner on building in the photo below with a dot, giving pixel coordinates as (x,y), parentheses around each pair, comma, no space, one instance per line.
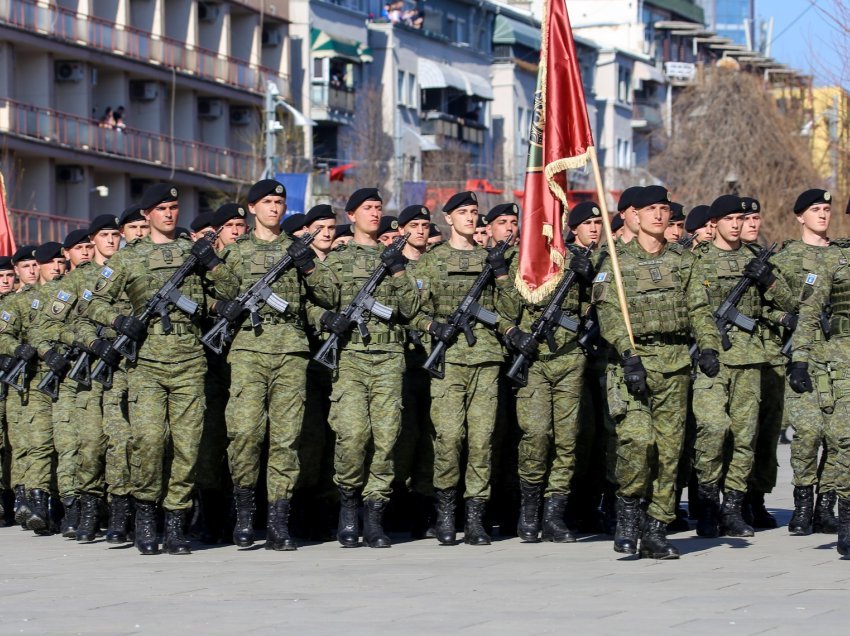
(7,240)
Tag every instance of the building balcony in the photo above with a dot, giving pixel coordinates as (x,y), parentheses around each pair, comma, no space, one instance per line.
(48,126)
(33,228)
(448,126)
(130,43)
(646,115)
(332,103)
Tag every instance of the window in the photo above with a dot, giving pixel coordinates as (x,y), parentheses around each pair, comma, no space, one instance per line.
(400,88)
(411,90)
(319,68)
(624,85)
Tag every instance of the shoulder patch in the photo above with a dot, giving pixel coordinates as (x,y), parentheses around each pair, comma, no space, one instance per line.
(5,316)
(601,277)
(87,295)
(63,296)
(419,283)
(35,304)
(107,273)
(811,278)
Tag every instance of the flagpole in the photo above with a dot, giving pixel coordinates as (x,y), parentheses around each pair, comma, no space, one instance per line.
(612,251)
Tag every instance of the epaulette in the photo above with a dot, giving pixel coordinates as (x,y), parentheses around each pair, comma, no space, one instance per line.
(704,247)
(340,248)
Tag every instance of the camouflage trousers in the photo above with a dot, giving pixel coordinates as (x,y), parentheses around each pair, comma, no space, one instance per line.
(166,405)
(463,405)
(66,441)
(267,399)
(16,450)
(91,456)
(414,450)
(36,424)
(765,464)
(815,418)
(365,415)
(650,434)
(726,408)
(116,426)
(547,410)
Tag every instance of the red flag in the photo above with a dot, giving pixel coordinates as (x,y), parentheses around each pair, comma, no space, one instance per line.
(7,241)
(559,140)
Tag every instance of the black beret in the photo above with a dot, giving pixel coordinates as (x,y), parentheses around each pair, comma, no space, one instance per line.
(726,204)
(414,213)
(6,263)
(650,195)
(182,232)
(24,253)
(131,215)
(103,222)
(752,205)
(205,219)
(582,212)
(294,222)
(343,230)
(46,252)
(459,199)
(480,222)
(227,212)
(697,218)
(265,187)
(627,198)
(360,197)
(503,209)
(75,237)
(321,212)
(809,198)
(433,231)
(616,223)
(387,224)
(156,194)
(677,212)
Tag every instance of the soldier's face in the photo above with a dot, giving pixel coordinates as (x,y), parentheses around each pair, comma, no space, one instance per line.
(367,217)
(816,218)
(325,238)
(388,237)
(106,242)
(503,226)
(27,272)
(463,220)
(418,230)
(631,220)
(588,232)
(481,237)
(653,219)
(231,231)
(751,227)
(705,234)
(163,218)
(80,253)
(269,210)
(50,270)
(136,230)
(7,280)
(729,227)
(674,231)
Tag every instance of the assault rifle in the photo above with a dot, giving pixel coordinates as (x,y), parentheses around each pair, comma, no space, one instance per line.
(15,377)
(544,327)
(462,317)
(687,241)
(252,301)
(728,314)
(356,311)
(49,384)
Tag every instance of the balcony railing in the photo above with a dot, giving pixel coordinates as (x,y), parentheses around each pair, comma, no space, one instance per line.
(30,227)
(649,112)
(80,133)
(129,42)
(445,125)
(333,98)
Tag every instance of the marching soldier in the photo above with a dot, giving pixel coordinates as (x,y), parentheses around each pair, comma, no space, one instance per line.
(628,213)
(700,224)
(132,224)
(230,217)
(676,229)
(7,286)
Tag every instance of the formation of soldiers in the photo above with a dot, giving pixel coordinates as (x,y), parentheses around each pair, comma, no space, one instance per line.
(176,383)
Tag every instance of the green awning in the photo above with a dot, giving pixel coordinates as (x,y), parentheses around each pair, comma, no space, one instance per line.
(510,31)
(323,45)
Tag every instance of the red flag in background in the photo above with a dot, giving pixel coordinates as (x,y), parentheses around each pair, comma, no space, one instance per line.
(558,141)
(7,241)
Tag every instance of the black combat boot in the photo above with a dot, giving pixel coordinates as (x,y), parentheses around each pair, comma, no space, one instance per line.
(801,521)
(72,517)
(175,540)
(843,545)
(373,532)
(277,529)
(445,524)
(709,511)
(628,525)
(761,518)
(555,529)
(243,531)
(732,524)
(146,527)
(22,506)
(680,523)
(528,524)
(348,528)
(39,522)
(87,528)
(119,517)
(473,529)
(824,520)
(653,541)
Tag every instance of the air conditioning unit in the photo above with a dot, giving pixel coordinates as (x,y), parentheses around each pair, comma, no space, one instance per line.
(141,91)
(240,116)
(209,108)
(69,174)
(272,37)
(208,12)
(69,71)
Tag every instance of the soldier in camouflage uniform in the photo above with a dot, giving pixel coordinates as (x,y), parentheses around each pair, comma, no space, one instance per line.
(463,403)
(7,286)
(166,383)
(726,406)
(700,225)
(365,410)
(647,396)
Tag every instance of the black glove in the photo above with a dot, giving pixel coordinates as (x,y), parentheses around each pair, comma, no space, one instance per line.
(443,332)
(102,348)
(634,375)
(204,251)
(335,323)
(760,272)
(302,256)
(24,352)
(229,309)
(523,342)
(55,361)
(5,363)
(131,327)
(789,321)
(799,378)
(582,266)
(497,261)
(393,260)
(709,363)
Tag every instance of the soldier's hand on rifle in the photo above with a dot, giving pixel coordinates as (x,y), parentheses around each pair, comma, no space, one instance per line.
(789,321)
(634,374)
(302,257)
(799,378)
(5,363)
(228,309)
(709,363)
(131,327)
(523,342)
(55,361)
(24,352)
(394,261)
(102,348)
(498,263)
(204,251)
(760,272)
(335,323)
(582,266)
(443,332)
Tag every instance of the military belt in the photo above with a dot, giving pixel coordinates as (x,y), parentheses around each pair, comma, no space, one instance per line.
(177,329)
(267,319)
(659,339)
(839,326)
(386,337)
